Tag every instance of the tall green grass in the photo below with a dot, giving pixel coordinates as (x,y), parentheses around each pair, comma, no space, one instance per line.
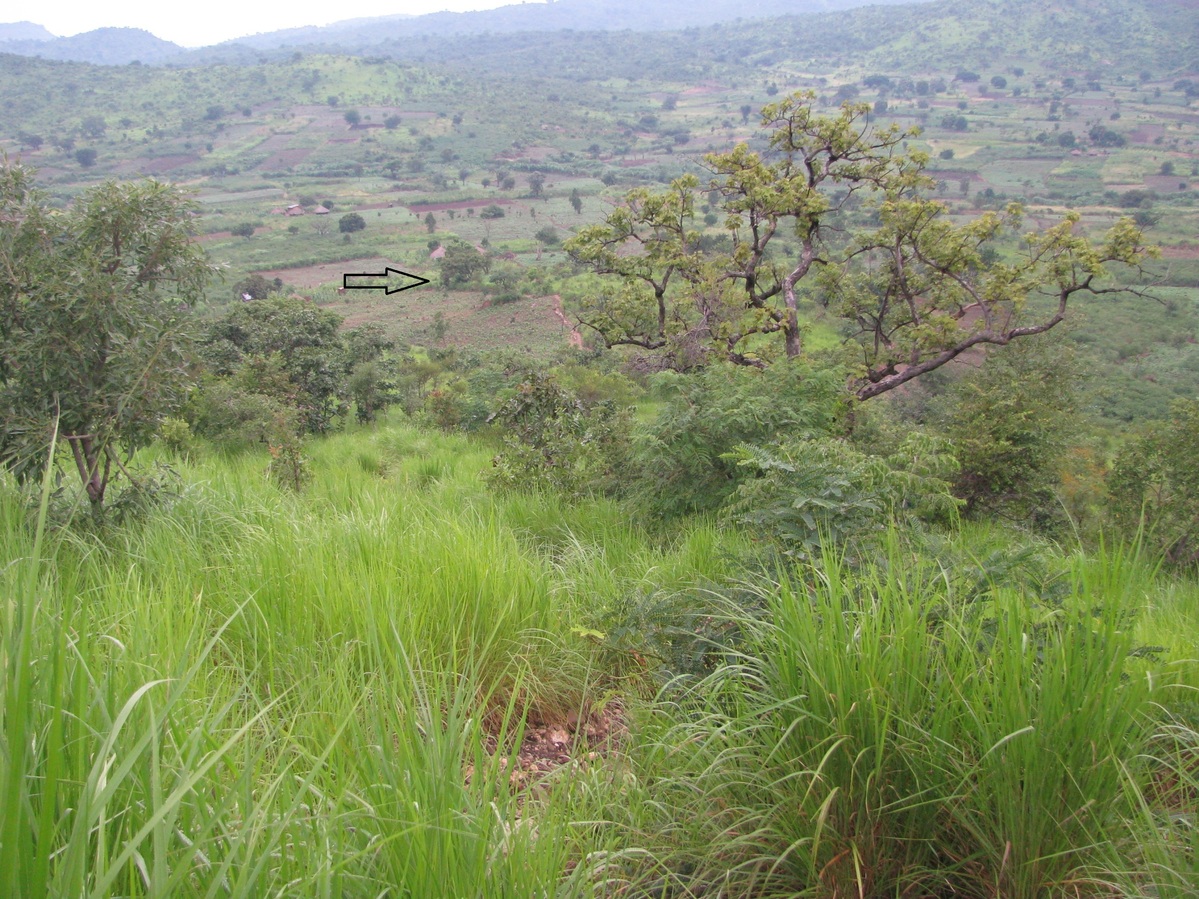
(885,736)
(255,692)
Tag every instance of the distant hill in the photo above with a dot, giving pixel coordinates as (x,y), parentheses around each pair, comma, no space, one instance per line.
(104,46)
(1078,36)
(1123,35)
(23,31)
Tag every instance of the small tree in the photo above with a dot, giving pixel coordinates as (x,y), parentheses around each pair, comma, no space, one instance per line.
(576,201)
(86,157)
(430,222)
(353,117)
(93,338)
(242,229)
(351,222)
(462,264)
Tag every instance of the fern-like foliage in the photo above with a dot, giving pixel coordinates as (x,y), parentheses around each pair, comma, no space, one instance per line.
(808,492)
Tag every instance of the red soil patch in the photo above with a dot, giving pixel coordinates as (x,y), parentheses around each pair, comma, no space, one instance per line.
(286,158)
(1181,252)
(952,175)
(704,90)
(1165,183)
(157,165)
(326,273)
(1147,134)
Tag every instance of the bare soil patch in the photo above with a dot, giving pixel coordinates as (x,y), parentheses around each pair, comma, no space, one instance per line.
(1147,134)
(287,158)
(326,273)
(157,165)
(1185,251)
(573,743)
(458,204)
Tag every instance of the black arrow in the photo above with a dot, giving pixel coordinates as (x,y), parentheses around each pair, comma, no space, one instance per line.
(416,281)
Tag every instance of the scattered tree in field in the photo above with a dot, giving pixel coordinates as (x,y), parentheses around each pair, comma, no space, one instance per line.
(86,157)
(351,222)
(462,264)
(93,339)
(492,211)
(576,201)
(914,292)
(353,117)
(93,127)
(536,183)
(1102,136)
(255,287)
(243,229)
(430,222)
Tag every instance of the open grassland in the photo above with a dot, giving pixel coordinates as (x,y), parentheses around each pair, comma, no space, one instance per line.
(256,692)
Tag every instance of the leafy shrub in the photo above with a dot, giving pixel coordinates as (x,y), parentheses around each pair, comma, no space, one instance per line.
(351,222)
(1155,485)
(681,461)
(808,492)
(554,441)
(1010,425)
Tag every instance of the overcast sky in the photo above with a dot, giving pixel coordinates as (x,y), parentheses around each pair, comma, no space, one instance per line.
(197,23)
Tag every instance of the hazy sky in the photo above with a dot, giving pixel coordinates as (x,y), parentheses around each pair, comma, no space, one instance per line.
(196,23)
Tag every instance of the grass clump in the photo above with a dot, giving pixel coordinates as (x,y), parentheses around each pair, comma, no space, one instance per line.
(881,736)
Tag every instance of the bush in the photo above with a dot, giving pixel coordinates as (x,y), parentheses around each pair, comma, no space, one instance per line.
(553,441)
(1010,425)
(351,222)
(1155,486)
(682,460)
(807,493)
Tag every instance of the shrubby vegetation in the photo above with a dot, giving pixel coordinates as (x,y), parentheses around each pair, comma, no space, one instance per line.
(743,590)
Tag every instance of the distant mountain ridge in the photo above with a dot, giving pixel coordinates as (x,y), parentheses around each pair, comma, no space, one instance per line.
(563,15)
(120,46)
(104,46)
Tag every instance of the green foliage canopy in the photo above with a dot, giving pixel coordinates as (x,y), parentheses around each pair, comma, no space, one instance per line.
(914,293)
(94,337)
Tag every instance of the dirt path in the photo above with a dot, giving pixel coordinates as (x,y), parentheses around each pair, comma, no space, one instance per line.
(575,339)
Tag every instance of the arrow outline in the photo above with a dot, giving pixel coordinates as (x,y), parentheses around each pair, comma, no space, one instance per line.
(386,275)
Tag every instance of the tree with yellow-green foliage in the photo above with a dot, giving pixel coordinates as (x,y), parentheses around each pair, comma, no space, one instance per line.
(912,289)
